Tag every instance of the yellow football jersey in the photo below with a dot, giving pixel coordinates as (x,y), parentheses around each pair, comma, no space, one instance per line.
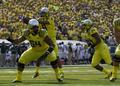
(101,50)
(38,48)
(89,34)
(36,41)
(50,27)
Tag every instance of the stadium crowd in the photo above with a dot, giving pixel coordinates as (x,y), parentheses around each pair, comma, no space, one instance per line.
(67,15)
(69,54)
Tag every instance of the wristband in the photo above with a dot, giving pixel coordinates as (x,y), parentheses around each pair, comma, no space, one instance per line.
(50,49)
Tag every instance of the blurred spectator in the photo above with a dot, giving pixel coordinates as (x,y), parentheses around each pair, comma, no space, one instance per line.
(4,48)
(1,1)
(8,58)
(14,50)
(70,54)
(63,52)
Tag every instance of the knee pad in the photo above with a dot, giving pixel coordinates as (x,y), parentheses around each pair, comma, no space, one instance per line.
(37,64)
(98,67)
(21,66)
(116,58)
(54,62)
(58,57)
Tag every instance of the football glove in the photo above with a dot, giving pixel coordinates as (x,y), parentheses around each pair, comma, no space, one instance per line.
(44,56)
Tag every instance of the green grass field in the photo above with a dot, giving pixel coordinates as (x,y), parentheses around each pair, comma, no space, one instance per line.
(74,76)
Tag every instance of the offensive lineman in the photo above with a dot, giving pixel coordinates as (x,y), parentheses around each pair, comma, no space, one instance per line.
(42,47)
(47,22)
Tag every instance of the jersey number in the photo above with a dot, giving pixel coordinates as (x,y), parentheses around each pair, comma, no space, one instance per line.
(35,43)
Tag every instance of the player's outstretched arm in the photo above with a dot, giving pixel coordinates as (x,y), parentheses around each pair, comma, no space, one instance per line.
(97,38)
(17,40)
(24,19)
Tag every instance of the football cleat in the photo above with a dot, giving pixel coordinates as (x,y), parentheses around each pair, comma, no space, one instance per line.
(108,75)
(16,81)
(60,77)
(36,75)
(112,79)
(62,74)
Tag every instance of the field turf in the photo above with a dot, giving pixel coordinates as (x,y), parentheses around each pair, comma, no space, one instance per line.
(83,75)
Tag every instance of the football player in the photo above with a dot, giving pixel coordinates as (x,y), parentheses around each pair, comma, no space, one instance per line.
(41,47)
(101,50)
(47,22)
(116,58)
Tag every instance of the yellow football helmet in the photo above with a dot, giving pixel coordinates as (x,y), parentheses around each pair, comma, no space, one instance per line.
(44,12)
(33,25)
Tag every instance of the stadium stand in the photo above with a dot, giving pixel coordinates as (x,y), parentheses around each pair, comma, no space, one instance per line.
(67,15)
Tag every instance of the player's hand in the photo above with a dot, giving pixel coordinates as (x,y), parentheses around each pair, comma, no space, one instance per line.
(90,44)
(44,56)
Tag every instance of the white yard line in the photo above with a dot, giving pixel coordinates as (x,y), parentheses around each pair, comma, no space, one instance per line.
(49,71)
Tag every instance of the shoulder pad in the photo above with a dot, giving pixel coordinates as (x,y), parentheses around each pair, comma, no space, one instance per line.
(26,32)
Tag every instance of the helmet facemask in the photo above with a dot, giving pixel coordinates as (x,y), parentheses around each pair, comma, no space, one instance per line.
(33,25)
(34,29)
